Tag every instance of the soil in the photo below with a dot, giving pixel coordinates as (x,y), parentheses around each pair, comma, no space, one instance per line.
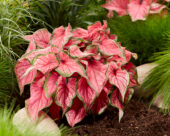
(138,120)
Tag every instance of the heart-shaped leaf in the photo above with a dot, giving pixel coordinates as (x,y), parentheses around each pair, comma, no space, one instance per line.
(20,69)
(96,74)
(80,33)
(50,84)
(131,69)
(32,54)
(76,52)
(61,36)
(85,92)
(116,103)
(120,6)
(65,92)
(118,77)
(45,63)
(38,99)
(69,66)
(138,9)
(76,113)
(100,103)
(108,47)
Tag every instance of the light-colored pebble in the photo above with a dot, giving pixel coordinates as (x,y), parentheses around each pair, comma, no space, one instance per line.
(143,71)
(45,124)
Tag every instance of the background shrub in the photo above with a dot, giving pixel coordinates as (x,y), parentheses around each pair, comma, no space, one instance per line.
(143,37)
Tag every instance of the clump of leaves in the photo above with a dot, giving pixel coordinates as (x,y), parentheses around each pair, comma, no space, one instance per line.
(137,9)
(62,12)
(80,70)
(56,12)
(157,83)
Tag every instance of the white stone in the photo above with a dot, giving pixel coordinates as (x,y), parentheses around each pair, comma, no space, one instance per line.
(159,103)
(45,125)
(144,70)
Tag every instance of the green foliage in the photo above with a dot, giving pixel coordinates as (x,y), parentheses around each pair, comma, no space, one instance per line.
(8,129)
(90,13)
(158,82)
(9,31)
(15,21)
(7,81)
(141,37)
(62,12)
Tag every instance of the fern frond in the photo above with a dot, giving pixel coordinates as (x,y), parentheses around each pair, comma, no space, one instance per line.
(158,81)
(142,37)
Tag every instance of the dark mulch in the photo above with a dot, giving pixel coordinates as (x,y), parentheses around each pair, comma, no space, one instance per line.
(138,120)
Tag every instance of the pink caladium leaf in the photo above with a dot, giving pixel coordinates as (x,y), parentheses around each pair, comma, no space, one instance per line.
(110,14)
(114,99)
(138,9)
(31,46)
(61,36)
(108,87)
(31,55)
(131,69)
(93,49)
(20,69)
(80,33)
(40,37)
(27,37)
(76,52)
(93,30)
(65,92)
(96,74)
(117,58)
(50,85)
(45,63)
(97,27)
(129,55)
(54,111)
(128,95)
(108,47)
(156,8)
(68,66)
(120,6)
(76,113)
(38,99)
(118,77)
(113,37)
(85,92)
(71,42)
(100,103)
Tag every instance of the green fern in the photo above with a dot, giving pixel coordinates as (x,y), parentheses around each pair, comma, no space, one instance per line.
(158,82)
(143,37)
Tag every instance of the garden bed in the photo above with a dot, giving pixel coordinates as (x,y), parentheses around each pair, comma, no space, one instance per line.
(138,120)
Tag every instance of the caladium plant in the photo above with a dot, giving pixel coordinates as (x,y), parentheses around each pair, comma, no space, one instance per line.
(76,71)
(137,9)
